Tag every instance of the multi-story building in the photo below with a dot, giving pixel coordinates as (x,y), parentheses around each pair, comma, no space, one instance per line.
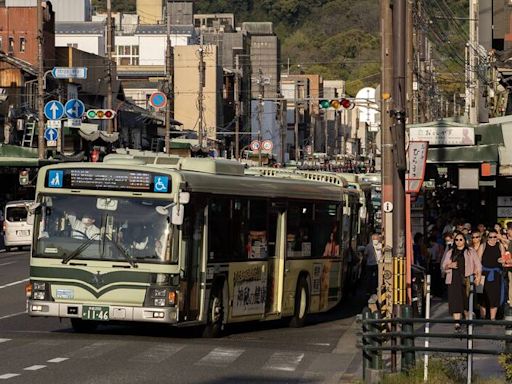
(150,11)
(187,89)
(19,31)
(265,59)
(86,36)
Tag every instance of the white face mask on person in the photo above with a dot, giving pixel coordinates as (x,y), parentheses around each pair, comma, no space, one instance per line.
(87,221)
(375,242)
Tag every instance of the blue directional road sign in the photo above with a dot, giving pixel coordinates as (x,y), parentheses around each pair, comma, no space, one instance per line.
(74,109)
(54,110)
(51,134)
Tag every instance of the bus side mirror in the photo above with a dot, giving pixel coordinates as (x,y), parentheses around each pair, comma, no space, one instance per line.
(178,214)
(30,218)
(31,210)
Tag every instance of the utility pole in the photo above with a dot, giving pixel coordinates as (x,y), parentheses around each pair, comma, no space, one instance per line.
(283,127)
(336,133)
(296,125)
(473,86)
(201,95)
(261,95)
(237,107)
(399,111)
(110,126)
(410,62)
(169,81)
(40,83)
(326,133)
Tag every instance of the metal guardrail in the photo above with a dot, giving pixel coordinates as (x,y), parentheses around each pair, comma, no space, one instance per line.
(398,334)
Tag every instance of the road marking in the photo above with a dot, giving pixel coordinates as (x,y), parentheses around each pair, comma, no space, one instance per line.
(14,283)
(95,350)
(4,340)
(8,376)
(158,353)
(34,367)
(12,315)
(221,357)
(58,360)
(284,361)
(10,262)
(320,344)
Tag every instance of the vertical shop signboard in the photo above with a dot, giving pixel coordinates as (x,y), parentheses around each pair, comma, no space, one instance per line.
(417,161)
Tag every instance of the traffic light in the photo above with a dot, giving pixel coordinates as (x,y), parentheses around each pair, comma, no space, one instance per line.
(24,177)
(100,114)
(336,104)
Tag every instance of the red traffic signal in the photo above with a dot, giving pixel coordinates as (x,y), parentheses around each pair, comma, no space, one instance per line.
(336,104)
(100,114)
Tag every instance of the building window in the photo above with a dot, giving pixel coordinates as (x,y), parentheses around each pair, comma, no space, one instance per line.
(11,44)
(1,44)
(127,55)
(23,44)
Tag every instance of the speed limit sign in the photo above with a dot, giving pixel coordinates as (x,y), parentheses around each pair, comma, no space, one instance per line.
(267,145)
(255,145)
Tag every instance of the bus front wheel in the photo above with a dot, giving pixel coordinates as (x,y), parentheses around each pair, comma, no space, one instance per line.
(215,322)
(301,304)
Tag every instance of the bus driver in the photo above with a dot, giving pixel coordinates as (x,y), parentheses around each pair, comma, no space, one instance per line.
(83,229)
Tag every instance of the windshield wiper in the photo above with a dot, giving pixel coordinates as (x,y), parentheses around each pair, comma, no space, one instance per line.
(82,247)
(125,253)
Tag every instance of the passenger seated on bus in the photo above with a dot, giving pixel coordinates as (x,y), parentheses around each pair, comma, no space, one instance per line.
(332,248)
(144,243)
(84,228)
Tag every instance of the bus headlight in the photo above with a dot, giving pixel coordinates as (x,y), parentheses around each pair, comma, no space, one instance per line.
(39,295)
(159,302)
(40,290)
(159,292)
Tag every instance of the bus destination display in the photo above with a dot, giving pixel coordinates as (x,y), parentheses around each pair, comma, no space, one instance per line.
(108,179)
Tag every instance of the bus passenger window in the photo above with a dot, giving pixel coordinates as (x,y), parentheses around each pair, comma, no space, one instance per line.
(257,239)
(299,229)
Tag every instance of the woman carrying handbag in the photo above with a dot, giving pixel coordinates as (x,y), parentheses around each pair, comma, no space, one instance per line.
(459,263)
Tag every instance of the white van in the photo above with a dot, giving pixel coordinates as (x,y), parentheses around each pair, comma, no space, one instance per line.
(17,233)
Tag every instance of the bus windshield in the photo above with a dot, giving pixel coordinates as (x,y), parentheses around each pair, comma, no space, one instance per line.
(102,228)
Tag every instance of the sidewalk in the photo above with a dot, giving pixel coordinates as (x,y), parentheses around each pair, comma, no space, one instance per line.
(484,366)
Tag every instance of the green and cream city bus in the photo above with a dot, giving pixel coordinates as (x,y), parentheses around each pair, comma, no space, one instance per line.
(192,243)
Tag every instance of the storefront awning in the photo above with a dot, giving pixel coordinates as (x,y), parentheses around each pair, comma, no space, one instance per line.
(15,156)
(467,154)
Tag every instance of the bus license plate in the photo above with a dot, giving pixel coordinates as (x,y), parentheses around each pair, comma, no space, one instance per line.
(95,313)
(23,233)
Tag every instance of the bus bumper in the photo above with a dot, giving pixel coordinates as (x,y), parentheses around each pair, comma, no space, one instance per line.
(116,312)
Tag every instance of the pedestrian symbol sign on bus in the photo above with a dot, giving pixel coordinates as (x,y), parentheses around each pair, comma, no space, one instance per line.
(55,179)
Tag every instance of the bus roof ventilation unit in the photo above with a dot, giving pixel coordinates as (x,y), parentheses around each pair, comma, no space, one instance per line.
(115,158)
(213,166)
(323,177)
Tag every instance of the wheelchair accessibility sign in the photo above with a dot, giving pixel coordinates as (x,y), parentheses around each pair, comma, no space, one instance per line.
(161,184)
(55,179)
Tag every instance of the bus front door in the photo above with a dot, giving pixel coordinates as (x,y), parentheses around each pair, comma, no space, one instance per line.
(192,265)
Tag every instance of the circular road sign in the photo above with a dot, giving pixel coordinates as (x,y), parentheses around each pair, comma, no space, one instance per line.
(388,206)
(255,145)
(158,100)
(267,145)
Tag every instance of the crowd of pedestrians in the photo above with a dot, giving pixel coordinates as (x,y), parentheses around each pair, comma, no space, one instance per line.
(457,252)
